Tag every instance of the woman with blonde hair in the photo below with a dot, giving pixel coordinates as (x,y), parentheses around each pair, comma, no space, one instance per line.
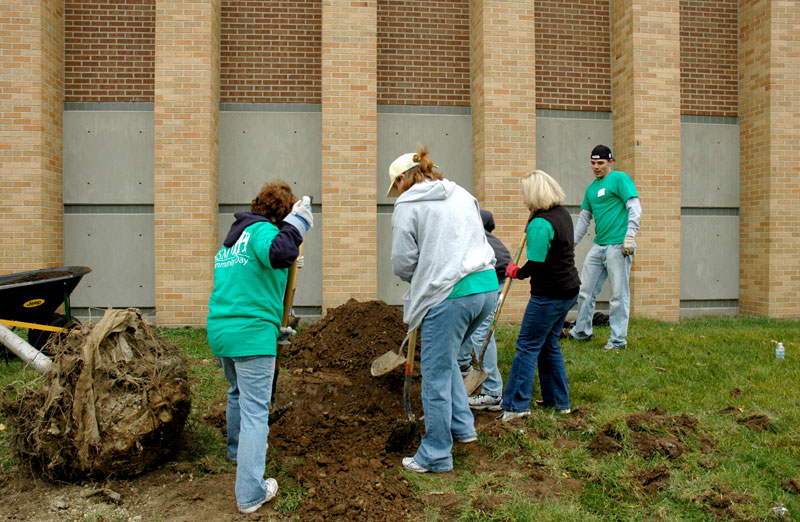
(439,246)
(554,290)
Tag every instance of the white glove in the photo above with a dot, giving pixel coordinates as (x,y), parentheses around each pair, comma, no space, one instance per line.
(302,209)
(286,333)
(628,246)
(299,262)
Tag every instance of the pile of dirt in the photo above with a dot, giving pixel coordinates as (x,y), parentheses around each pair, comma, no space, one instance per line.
(114,402)
(339,417)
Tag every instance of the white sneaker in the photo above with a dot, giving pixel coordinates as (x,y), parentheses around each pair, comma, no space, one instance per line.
(485,402)
(608,347)
(411,465)
(467,440)
(272,490)
(511,415)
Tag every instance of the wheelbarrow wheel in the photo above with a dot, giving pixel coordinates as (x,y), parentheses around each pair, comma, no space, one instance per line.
(38,338)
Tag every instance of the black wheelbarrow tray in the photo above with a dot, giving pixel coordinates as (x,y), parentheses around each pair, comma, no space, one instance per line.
(30,300)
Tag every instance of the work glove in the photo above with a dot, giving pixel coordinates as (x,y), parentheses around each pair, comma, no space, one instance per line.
(299,262)
(287,332)
(302,209)
(300,217)
(628,246)
(511,270)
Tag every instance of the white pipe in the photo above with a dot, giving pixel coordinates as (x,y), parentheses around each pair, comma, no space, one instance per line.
(30,355)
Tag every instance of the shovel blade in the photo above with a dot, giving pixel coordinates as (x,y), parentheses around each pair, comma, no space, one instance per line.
(473,379)
(386,363)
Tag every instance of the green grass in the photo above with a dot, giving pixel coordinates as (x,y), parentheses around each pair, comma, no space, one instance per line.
(694,367)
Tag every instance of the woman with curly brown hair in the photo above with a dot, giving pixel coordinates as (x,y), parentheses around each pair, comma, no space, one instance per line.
(439,246)
(244,322)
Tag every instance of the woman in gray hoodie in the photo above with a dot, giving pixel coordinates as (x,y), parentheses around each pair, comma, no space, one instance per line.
(438,245)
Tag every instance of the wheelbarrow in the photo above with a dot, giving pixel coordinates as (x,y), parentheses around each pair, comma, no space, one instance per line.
(30,300)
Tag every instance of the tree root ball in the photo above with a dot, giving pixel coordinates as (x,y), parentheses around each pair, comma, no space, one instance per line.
(115,402)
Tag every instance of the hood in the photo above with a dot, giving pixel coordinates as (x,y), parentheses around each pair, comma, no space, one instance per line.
(243,220)
(428,191)
(488,220)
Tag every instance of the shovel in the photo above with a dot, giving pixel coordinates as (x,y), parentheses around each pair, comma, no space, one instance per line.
(288,298)
(475,377)
(407,429)
(389,361)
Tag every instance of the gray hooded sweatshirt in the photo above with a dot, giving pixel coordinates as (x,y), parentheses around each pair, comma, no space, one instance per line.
(437,240)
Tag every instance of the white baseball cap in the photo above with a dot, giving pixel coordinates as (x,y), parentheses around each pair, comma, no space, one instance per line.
(399,166)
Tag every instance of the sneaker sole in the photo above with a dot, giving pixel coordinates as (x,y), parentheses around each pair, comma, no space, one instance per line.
(482,407)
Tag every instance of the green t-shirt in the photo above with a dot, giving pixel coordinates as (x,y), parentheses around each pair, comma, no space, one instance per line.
(246,305)
(540,236)
(475,283)
(605,199)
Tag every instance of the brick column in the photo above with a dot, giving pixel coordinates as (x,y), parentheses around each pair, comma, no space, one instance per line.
(769,109)
(645,52)
(503,68)
(349,151)
(31,94)
(186,113)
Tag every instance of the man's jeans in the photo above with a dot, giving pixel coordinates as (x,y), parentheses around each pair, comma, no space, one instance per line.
(538,343)
(248,422)
(447,415)
(605,261)
(493,385)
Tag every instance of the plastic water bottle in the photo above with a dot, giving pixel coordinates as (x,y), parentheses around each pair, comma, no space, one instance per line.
(779,352)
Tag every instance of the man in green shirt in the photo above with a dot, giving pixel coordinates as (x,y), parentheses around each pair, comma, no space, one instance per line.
(611,199)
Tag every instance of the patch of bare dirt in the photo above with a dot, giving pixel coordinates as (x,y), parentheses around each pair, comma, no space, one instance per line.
(792,485)
(654,479)
(756,422)
(722,504)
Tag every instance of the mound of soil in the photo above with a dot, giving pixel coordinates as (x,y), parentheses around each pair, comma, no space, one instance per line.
(338,417)
(114,402)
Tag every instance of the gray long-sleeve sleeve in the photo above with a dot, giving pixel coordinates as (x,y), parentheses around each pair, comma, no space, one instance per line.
(634,216)
(582,226)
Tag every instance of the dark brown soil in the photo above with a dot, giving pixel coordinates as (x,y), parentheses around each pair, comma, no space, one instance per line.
(38,276)
(339,417)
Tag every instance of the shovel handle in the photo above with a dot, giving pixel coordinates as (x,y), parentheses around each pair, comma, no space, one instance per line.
(412,346)
(499,307)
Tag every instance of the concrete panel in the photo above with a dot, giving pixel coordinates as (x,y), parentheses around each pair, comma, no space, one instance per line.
(563,146)
(309,280)
(709,257)
(709,165)
(256,147)
(447,136)
(390,287)
(119,250)
(108,157)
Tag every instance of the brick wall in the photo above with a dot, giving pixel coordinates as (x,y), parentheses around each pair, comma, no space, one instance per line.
(647,141)
(186,111)
(109,50)
(709,57)
(271,52)
(349,150)
(769,252)
(504,119)
(31,89)
(423,52)
(573,55)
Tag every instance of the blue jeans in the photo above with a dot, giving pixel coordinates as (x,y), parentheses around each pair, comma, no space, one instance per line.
(538,342)
(493,385)
(248,422)
(447,415)
(605,261)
